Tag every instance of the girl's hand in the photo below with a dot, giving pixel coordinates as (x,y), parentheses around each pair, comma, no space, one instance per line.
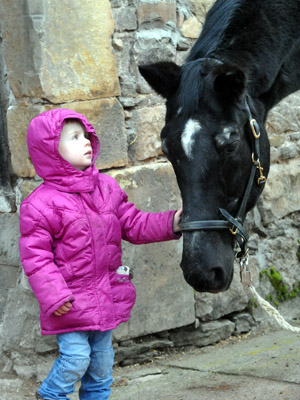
(63,309)
(176,220)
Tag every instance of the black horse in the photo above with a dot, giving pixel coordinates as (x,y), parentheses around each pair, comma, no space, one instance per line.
(245,61)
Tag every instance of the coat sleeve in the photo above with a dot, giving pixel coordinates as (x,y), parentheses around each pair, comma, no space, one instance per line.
(37,259)
(140,227)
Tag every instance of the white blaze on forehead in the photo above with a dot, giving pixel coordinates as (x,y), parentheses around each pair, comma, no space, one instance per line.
(188,136)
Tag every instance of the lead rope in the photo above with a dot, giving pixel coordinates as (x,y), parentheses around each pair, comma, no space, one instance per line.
(267,307)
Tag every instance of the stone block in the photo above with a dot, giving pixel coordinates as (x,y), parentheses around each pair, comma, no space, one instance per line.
(24,367)
(279,250)
(127,68)
(207,333)
(164,300)
(283,179)
(9,239)
(284,118)
(210,306)
(156,15)
(44,365)
(45,344)
(148,123)
(243,322)
(28,185)
(8,279)
(139,48)
(105,114)
(154,46)
(59,51)
(22,318)
(11,385)
(18,119)
(191,28)
(200,8)
(125,19)
(276,140)
(132,353)
(7,200)
(290,310)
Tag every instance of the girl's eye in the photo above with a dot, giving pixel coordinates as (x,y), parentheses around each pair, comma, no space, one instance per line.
(75,137)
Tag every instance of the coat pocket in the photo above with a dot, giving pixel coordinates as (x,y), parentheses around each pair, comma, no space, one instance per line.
(123,294)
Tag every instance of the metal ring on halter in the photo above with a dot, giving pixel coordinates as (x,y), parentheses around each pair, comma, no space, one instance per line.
(253,125)
(233,231)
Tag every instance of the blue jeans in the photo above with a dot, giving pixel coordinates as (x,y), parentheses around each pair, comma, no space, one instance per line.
(86,356)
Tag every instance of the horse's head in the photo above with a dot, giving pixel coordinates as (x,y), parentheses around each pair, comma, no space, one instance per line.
(207,138)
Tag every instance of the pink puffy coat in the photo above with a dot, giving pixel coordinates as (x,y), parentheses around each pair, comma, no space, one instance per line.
(71,231)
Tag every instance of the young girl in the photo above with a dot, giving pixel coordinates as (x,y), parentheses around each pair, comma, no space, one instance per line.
(70,246)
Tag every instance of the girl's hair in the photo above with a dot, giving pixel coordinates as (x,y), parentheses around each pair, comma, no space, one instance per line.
(74,121)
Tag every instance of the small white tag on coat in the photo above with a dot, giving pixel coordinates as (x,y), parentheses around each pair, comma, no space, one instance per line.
(123,270)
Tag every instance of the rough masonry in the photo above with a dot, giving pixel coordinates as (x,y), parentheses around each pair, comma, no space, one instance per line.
(85,56)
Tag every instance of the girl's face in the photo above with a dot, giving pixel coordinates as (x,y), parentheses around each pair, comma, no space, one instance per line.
(75,146)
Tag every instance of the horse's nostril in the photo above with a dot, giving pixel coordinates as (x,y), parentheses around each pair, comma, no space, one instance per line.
(210,280)
(217,275)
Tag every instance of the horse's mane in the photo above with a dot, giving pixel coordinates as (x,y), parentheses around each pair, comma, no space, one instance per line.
(217,21)
(191,87)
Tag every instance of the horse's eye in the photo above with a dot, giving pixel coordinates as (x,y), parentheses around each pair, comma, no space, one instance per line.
(164,147)
(232,146)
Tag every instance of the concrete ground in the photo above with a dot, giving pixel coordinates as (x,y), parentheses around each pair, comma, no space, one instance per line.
(263,367)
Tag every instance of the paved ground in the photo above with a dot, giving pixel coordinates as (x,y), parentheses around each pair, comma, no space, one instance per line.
(264,367)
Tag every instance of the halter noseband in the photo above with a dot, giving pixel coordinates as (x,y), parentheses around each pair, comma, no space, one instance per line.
(235,225)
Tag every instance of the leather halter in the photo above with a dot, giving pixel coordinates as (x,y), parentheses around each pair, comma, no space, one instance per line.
(235,225)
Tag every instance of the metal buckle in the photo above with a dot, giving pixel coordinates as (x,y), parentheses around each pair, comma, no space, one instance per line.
(255,134)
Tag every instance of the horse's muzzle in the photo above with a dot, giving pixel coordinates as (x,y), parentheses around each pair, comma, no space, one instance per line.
(213,280)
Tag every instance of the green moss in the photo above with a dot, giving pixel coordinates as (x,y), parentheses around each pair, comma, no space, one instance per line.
(251,305)
(281,289)
(269,298)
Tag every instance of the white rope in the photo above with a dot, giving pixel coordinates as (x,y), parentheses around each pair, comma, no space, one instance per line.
(273,312)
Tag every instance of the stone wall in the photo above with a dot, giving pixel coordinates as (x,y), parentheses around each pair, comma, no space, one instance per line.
(87,60)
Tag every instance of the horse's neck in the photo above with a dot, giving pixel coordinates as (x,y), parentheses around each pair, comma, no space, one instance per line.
(287,80)
(255,35)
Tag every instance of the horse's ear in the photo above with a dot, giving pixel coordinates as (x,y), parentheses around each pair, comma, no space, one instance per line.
(163,77)
(229,82)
